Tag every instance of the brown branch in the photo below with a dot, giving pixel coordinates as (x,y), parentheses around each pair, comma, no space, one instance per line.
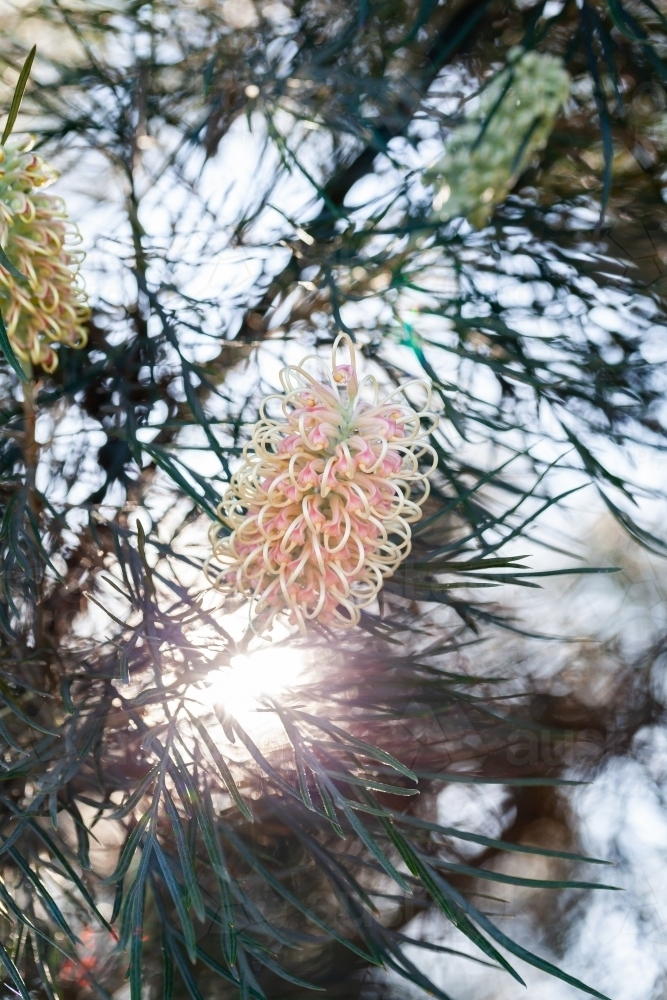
(450,38)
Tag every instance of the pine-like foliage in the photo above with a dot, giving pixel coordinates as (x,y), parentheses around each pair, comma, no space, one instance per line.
(251,180)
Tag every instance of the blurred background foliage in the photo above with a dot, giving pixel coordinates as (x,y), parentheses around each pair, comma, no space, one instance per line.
(251,178)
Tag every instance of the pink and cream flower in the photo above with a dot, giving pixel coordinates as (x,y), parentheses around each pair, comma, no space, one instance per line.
(50,306)
(321,506)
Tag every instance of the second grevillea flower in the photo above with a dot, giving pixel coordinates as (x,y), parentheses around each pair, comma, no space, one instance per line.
(321,507)
(488,152)
(50,305)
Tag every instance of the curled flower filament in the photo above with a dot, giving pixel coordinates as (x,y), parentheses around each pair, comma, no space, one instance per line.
(321,506)
(50,305)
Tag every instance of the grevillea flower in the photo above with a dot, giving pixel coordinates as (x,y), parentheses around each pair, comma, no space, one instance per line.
(487,153)
(321,507)
(50,306)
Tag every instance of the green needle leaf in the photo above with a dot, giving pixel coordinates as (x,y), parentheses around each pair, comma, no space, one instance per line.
(8,352)
(18,94)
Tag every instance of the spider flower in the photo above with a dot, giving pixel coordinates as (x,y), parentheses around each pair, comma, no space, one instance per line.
(321,506)
(488,152)
(50,305)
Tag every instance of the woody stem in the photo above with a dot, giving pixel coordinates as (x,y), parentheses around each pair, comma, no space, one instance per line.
(31,458)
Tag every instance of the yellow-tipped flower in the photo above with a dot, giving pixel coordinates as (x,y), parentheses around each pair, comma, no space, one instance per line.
(50,306)
(321,507)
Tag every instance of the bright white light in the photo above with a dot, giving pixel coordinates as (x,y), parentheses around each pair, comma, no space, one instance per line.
(251,677)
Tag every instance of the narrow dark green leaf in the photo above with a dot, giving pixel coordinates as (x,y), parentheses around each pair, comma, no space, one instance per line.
(645,538)
(622,22)
(478,779)
(18,94)
(371,843)
(66,695)
(329,809)
(8,738)
(263,958)
(498,845)
(369,751)
(117,902)
(261,760)
(46,838)
(17,912)
(137,794)
(206,822)
(131,844)
(136,893)
(14,973)
(167,969)
(10,702)
(280,889)
(512,946)
(425,873)
(45,975)
(137,943)
(45,897)
(186,973)
(179,902)
(185,858)
(6,263)
(8,352)
(297,746)
(377,786)
(220,763)
(492,876)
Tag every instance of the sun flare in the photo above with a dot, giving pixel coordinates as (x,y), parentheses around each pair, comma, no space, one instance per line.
(242,688)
